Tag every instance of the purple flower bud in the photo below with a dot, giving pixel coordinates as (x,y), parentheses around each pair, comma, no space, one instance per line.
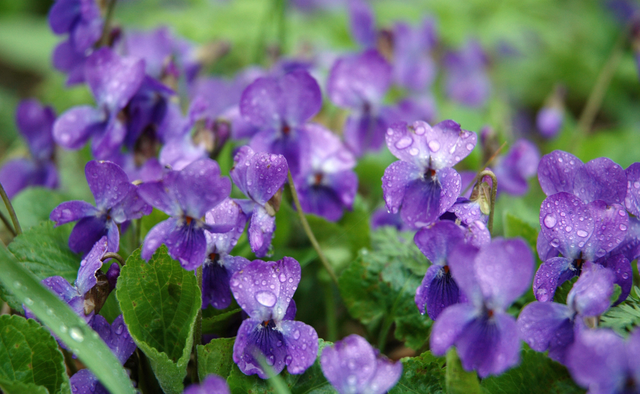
(549,121)
(352,365)
(514,168)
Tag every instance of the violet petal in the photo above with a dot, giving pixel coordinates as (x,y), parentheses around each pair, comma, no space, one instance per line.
(556,171)
(301,341)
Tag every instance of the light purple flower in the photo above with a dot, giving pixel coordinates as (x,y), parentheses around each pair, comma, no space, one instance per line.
(359,82)
(603,362)
(551,326)
(467,81)
(327,184)
(186,196)
(413,66)
(514,168)
(81,19)
(117,201)
(264,290)
(599,179)
(549,121)
(423,183)
(353,366)
(362,23)
(580,232)
(280,107)
(35,123)
(259,176)
(119,341)
(492,278)
(219,265)
(213,384)
(113,81)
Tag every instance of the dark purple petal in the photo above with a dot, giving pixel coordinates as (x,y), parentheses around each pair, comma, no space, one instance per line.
(89,29)
(156,194)
(293,145)
(462,265)
(132,206)
(86,233)
(395,181)
(504,269)
(597,360)
(591,294)
(451,323)
(301,341)
(157,236)
(108,183)
(611,224)
(600,179)
(364,132)
(544,248)
(15,175)
(69,61)
(262,103)
(265,289)
(112,79)
(427,198)
(489,345)
(301,97)
(63,15)
(556,172)
(255,340)
(187,244)
(107,140)
(547,326)
(36,124)
(213,384)
(551,274)
(215,285)
(362,23)
(632,199)
(621,267)
(350,364)
(71,211)
(85,382)
(266,174)
(227,212)
(199,187)
(436,241)
(360,79)
(261,229)
(74,127)
(630,246)
(567,223)
(520,163)
(113,236)
(438,291)
(116,336)
(89,265)
(323,200)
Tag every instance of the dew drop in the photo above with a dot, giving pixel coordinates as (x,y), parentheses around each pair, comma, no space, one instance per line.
(296,335)
(266,298)
(28,301)
(582,233)
(469,146)
(550,221)
(271,360)
(555,243)
(283,277)
(76,334)
(288,359)
(404,142)
(434,146)
(17,284)
(623,227)
(542,295)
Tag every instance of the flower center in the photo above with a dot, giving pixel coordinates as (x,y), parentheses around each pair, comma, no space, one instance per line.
(189,219)
(318,178)
(286,129)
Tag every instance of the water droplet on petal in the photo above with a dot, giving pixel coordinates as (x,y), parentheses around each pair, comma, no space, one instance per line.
(296,335)
(28,301)
(550,220)
(542,295)
(404,142)
(623,227)
(582,233)
(266,298)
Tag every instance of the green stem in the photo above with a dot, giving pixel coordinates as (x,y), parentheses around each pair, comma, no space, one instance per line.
(197,332)
(494,193)
(486,164)
(104,40)
(112,255)
(307,229)
(12,212)
(5,220)
(330,311)
(596,96)
(384,332)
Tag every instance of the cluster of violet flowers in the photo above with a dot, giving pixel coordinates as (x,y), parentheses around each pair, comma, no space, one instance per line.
(150,155)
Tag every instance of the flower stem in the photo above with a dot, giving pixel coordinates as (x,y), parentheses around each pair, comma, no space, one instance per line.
(12,212)
(111,255)
(307,229)
(494,193)
(104,39)
(5,220)
(197,331)
(486,164)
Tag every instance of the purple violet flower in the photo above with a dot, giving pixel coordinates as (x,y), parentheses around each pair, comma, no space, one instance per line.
(259,176)
(67,60)
(213,384)
(113,81)
(423,182)
(438,289)
(353,366)
(413,66)
(580,232)
(492,278)
(467,81)
(632,198)
(119,341)
(264,290)
(281,106)
(551,326)
(359,82)
(382,217)
(513,169)
(219,265)
(549,121)
(117,201)
(604,362)
(599,179)
(35,123)
(327,184)
(186,196)
(80,18)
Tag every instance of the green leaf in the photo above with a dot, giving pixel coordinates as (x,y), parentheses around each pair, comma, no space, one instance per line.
(33,205)
(62,320)
(459,381)
(26,43)
(424,374)
(216,357)
(311,381)
(32,354)
(379,290)
(399,245)
(10,387)
(536,373)
(159,302)
(516,227)
(625,317)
